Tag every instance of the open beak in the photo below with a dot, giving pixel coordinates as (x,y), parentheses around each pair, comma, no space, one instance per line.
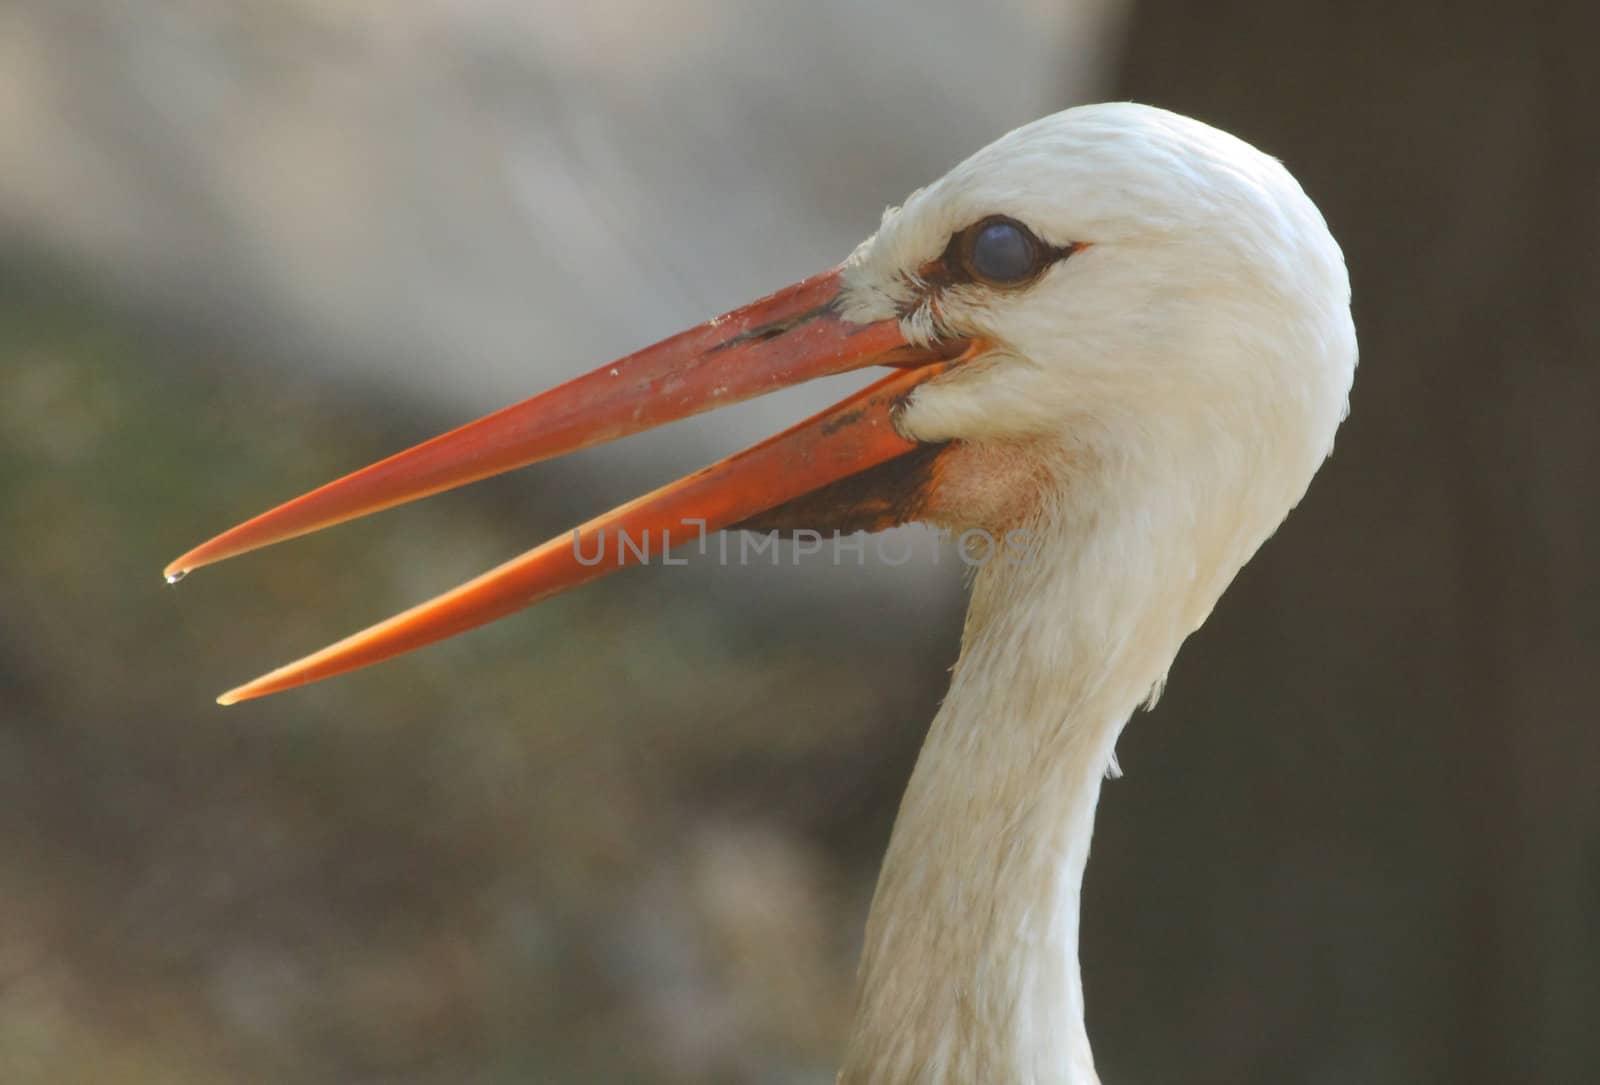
(792,336)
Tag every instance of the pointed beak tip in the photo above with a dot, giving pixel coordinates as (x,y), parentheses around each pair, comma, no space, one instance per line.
(792,336)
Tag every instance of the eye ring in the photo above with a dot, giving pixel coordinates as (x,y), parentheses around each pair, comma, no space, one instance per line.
(1001,252)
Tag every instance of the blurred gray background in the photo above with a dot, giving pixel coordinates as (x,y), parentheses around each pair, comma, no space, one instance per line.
(631,835)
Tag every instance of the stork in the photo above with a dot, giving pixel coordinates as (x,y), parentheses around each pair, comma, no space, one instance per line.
(1117,330)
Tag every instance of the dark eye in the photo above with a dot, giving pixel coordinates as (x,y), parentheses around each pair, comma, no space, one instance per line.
(1002,252)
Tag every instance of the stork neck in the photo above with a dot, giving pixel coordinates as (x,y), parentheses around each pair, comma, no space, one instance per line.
(970,967)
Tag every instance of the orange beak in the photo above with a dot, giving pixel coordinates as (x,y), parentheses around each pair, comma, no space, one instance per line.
(792,336)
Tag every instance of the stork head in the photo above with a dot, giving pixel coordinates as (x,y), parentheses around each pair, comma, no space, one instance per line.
(1113,300)
(1152,295)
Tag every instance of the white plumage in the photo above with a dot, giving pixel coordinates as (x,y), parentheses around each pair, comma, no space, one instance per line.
(1151,410)
(1140,369)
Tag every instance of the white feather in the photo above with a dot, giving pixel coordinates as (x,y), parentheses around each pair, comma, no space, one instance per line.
(1165,396)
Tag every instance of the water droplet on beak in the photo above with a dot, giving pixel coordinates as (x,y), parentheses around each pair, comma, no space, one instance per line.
(177,575)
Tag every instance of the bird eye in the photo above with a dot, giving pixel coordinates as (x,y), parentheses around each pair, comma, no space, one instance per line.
(1002,252)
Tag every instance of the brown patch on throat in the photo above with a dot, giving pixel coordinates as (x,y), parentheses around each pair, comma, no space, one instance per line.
(993,485)
(955,485)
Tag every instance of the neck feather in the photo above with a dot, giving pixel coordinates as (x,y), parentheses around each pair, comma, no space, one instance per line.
(970,967)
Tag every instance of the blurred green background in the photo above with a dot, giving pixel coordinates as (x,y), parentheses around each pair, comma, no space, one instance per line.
(631,835)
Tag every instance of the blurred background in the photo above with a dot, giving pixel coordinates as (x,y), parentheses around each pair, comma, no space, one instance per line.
(630,836)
